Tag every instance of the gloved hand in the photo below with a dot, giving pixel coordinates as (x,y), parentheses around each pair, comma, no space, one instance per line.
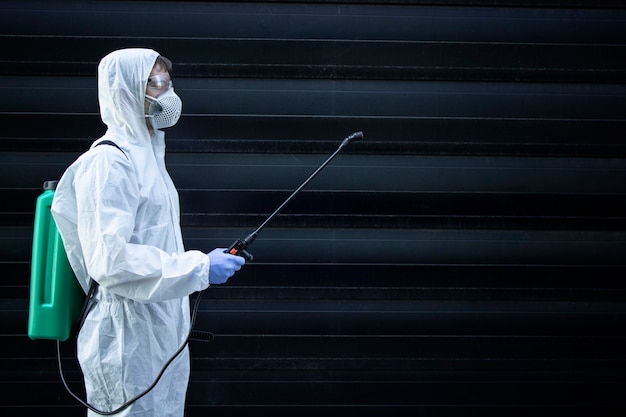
(223,265)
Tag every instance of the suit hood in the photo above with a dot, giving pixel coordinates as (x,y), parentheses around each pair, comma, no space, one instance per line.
(122,79)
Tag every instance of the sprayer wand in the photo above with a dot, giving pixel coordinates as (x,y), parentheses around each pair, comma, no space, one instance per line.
(240,245)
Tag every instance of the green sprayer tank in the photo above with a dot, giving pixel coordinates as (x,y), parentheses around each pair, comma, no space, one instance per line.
(56,298)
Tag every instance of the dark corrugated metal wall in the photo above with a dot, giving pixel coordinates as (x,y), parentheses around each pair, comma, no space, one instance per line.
(467,258)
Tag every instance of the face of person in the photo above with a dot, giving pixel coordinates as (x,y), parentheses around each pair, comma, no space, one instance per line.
(158,83)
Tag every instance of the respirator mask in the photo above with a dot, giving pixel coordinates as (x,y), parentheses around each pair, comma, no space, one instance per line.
(164,111)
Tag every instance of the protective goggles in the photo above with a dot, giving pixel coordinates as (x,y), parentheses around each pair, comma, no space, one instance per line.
(160,82)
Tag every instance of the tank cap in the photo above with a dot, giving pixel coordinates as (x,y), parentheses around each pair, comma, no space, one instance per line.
(50,185)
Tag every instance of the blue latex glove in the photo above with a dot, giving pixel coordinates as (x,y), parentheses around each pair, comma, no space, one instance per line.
(223,265)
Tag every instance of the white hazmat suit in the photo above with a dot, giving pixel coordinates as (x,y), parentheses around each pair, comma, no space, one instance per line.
(118,215)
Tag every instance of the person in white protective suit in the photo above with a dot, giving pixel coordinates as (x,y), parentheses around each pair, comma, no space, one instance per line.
(118,214)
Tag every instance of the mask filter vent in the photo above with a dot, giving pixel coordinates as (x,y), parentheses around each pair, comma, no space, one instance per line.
(165,110)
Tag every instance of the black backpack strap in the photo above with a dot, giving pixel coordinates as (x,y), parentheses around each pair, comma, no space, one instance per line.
(93,285)
(201,336)
(110,142)
(87,305)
